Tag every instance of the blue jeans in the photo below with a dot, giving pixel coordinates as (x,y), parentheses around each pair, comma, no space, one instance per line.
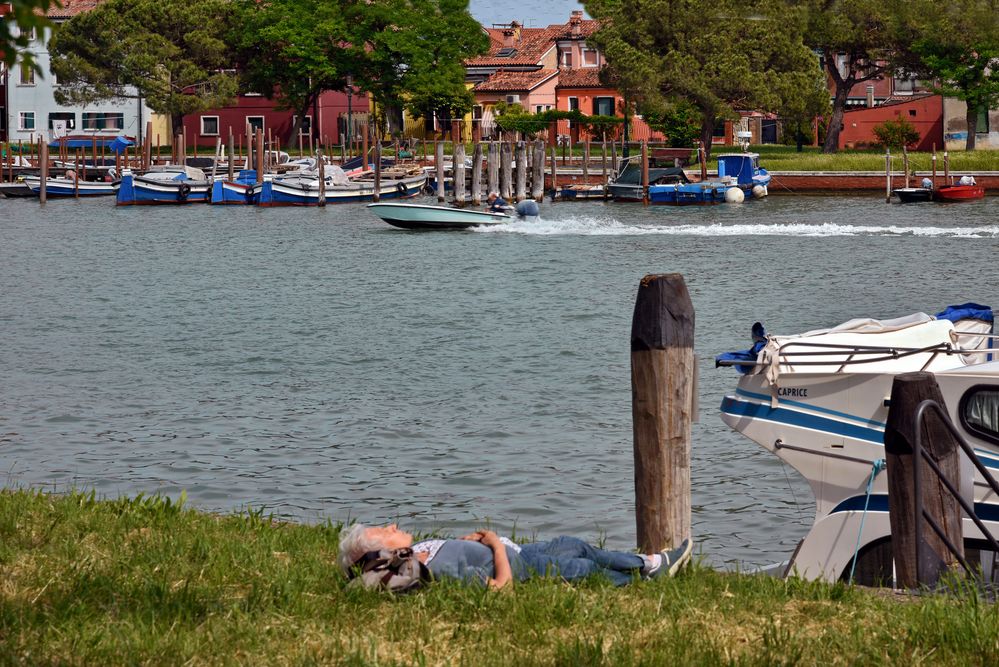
(572,558)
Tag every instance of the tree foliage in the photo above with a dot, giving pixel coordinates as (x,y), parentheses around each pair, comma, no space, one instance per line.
(16,27)
(171,52)
(896,133)
(719,56)
(959,47)
(679,121)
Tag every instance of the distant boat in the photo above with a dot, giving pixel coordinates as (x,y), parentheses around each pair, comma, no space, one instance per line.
(745,168)
(71,187)
(301,188)
(170,184)
(913,195)
(705,192)
(627,185)
(237,191)
(421,216)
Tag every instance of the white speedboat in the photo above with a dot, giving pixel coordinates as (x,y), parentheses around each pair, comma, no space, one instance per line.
(420,216)
(819,402)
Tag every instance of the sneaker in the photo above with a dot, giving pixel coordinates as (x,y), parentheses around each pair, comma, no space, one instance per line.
(673,560)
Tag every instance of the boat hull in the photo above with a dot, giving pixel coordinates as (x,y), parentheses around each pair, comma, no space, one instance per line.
(275,193)
(140,191)
(231,193)
(65,187)
(688,193)
(953,193)
(419,216)
(913,195)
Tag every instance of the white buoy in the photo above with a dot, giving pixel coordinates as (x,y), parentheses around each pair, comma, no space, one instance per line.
(734,196)
(759,192)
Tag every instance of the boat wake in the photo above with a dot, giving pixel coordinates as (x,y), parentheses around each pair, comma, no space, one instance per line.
(589,226)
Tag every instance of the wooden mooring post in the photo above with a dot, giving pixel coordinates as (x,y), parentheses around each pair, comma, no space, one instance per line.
(887,176)
(377,147)
(477,174)
(905,165)
(492,166)
(506,171)
(458,172)
(439,167)
(921,557)
(933,161)
(321,164)
(538,171)
(554,173)
(43,162)
(662,399)
(520,194)
(645,172)
(947,169)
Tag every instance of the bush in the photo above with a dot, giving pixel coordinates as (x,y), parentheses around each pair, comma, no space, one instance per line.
(896,133)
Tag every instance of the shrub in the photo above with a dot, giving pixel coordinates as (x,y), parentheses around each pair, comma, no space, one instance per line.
(896,133)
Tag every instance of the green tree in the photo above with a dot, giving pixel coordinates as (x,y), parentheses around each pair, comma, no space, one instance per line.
(960,48)
(26,16)
(717,56)
(679,121)
(896,133)
(170,52)
(293,50)
(411,53)
(860,41)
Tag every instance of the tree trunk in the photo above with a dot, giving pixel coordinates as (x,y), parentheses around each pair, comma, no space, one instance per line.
(299,119)
(708,122)
(176,124)
(971,116)
(843,87)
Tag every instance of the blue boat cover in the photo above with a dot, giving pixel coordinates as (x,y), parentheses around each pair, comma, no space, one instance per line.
(967,311)
(88,142)
(119,144)
(759,335)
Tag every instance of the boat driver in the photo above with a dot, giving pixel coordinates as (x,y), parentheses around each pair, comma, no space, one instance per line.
(496,203)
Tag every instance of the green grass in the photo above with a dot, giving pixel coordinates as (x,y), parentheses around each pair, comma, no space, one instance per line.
(146,581)
(786,158)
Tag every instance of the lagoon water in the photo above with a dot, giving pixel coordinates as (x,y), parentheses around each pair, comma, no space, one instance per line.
(320,364)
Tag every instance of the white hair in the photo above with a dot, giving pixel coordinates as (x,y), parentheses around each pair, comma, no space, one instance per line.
(354,543)
(493,194)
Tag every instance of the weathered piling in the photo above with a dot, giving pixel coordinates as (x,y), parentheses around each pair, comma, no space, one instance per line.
(230,153)
(76,176)
(43,162)
(260,156)
(947,168)
(477,174)
(603,164)
(887,176)
(905,165)
(521,190)
(554,155)
(459,174)
(586,160)
(147,146)
(933,161)
(645,172)
(378,168)
(364,149)
(506,171)
(923,561)
(538,171)
(321,164)
(662,400)
(492,177)
(613,148)
(439,165)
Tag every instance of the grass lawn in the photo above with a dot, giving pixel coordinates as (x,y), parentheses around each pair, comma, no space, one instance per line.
(145,581)
(786,158)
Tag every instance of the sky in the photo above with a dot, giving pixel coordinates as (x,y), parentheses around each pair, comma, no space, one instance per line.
(531,13)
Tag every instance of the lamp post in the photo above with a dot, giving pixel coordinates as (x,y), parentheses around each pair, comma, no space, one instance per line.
(350,108)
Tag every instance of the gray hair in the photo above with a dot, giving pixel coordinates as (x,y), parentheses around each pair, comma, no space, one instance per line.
(492,194)
(354,543)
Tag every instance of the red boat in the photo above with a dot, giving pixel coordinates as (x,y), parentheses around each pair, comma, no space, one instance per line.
(958,192)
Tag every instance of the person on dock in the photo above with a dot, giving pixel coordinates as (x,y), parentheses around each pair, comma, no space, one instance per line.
(486,559)
(496,203)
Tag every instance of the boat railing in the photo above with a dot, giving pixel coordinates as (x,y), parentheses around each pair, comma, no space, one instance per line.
(921,456)
(858,354)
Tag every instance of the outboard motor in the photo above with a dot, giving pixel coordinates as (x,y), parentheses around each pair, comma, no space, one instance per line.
(527,209)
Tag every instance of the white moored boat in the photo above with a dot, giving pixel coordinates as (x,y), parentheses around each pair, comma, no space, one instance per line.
(819,402)
(57,186)
(420,216)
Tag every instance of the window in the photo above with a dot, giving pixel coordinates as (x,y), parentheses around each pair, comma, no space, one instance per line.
(68,118)
(210,125)
(306,126)
(565,57)
(100,120)
(27,75)
(979,411)
(255,123)
(26,120)
(982,126)
(589,57)
(538,108)
(603,106)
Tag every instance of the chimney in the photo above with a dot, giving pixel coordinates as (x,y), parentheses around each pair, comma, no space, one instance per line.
(870,97)
(511,35)
(575,22)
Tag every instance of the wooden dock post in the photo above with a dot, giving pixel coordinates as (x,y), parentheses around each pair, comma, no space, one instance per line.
(554,173)
(933,161)
(439,166)
(492,175)
(586,161)
(477,174)
(364,149)
(538,171)
(603,164)
(506,170)
(613,147)
(43,162)
(645,172)
(321,164)
(905,165)
(662,400)
(947,169)
(920,562)
(458,160)
(887,176)
(520,194)
(260,156)
(378,168)
(230,151)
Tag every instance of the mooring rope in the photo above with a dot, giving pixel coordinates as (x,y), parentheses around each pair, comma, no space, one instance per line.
(876,467)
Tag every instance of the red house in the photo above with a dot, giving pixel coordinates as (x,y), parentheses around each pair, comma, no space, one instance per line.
(924,111)
(326,121)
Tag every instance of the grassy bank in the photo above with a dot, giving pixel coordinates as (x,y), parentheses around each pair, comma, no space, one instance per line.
(786,158)
(84,581)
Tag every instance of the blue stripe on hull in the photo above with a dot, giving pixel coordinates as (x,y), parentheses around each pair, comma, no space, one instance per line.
(131,192)
(879,503)
(268,197)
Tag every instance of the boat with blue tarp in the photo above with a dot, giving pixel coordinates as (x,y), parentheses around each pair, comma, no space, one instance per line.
(167,184)
(240,190)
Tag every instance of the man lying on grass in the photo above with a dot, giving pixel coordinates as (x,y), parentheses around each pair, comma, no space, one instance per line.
(376,552)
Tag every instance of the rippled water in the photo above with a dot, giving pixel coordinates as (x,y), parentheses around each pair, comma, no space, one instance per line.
(321,364)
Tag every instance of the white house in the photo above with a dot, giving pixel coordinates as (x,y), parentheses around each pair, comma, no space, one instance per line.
(31,108)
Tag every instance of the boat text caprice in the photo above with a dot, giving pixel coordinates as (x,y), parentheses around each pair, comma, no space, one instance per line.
(819,402)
